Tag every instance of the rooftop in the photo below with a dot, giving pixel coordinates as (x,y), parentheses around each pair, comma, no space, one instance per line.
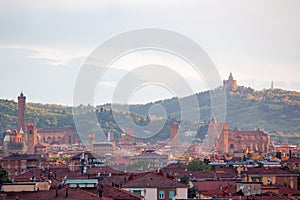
(152,180)
(23,157)
(57,129)
(269,171)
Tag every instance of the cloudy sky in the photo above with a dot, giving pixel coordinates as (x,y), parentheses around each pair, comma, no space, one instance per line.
(43,44)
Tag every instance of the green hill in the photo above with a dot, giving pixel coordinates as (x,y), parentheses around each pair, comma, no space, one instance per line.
(274,110)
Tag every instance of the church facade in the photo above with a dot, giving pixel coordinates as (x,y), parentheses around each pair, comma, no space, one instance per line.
(26,137)
(231,141)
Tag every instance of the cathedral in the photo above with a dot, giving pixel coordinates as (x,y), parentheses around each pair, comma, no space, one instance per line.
(26,138)
(230,141)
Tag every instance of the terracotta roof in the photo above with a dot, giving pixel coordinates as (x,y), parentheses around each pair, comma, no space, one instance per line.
(24,157)
(116,179)
(149,155)
(116,193)
(262,198)
(39,145)
(152,180)
(292,160)
(73,194)
(255,133)
(103,170)
(36,173)
(58,129)
(288,191)
(90,156)
(214,185)
(269,171)
(227,173)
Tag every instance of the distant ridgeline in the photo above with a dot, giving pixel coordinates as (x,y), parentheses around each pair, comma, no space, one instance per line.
(274,110)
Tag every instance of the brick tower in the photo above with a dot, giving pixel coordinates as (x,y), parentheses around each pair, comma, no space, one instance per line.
(173,130)
(21,112)
(212,133)
(31,133)
(222,143)
(92,138)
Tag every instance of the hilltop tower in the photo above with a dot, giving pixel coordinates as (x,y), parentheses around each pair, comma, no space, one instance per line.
(21,112)
(230,84)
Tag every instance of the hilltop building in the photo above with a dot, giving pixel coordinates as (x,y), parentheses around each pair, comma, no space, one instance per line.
(230,84)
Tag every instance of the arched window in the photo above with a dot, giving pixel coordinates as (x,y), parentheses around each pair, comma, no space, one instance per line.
(231,146)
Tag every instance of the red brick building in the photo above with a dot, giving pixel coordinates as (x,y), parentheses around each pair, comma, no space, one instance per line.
(235,140)
(58,135)
(16,164)
(230,84)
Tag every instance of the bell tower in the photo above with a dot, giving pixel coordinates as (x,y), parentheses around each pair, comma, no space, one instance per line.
(31,133)
(21,112)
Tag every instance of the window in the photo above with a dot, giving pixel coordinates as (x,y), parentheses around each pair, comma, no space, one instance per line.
(161,194)
(139,192)
(70,139)
(171,194)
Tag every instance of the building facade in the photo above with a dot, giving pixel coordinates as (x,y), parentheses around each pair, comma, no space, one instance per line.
(230,84)
(231,141)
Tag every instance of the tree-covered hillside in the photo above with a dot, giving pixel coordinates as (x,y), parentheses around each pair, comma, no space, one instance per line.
(275,110)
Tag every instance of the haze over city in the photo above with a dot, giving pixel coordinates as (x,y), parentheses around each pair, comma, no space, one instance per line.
(44,44)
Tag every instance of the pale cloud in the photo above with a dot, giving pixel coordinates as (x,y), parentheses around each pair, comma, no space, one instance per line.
(256,40)
(110,84)
(51,56)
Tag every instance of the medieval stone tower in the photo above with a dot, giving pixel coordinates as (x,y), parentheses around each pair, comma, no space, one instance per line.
(212,133)
(174,130)
(21,112)
(92,139)
(31,134)
(222,143)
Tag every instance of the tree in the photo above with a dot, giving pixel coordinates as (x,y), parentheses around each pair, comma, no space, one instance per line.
(192,192)
(4,177)
(199,165)
(185,179)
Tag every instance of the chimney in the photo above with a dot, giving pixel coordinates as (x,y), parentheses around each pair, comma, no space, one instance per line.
(67,192)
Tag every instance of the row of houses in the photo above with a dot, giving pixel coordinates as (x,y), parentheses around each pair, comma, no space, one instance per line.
(34,175)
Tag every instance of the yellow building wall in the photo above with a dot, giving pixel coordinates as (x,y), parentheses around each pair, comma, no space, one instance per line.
(182,193)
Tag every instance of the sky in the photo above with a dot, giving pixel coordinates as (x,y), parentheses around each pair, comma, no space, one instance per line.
(44,44)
